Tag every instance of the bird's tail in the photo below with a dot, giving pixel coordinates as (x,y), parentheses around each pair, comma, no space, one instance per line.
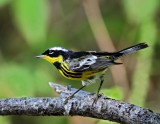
(129,50)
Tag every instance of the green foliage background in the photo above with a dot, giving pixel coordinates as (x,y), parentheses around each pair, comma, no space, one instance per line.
(28,27)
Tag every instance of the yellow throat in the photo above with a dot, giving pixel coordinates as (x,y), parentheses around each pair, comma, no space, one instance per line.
(51,59)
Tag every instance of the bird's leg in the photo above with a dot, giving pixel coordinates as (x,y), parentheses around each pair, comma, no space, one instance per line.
(71,96)
(98,95)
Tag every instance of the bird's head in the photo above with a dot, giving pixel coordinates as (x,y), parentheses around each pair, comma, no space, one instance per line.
(54,54)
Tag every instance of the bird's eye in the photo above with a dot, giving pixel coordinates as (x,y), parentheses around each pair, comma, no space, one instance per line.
(51,52)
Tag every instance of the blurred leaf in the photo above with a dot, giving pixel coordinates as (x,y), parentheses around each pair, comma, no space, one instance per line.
(115,92)
(140,10)
(4,2)
(149,34)
(142,74)
(19,80)
(16,80)
(5,120)
(41,79)
(31,17)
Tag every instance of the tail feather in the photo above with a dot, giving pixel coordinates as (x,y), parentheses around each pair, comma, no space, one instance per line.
(129,50)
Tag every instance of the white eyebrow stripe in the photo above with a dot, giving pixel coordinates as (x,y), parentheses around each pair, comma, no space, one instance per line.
(58,48)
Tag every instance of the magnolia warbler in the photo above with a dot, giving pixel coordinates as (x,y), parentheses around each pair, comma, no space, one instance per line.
(86,66)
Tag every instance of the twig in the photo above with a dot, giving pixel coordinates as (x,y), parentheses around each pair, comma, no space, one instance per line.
(81,104)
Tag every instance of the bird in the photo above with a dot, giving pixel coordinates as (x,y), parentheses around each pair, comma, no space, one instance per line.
(86,66)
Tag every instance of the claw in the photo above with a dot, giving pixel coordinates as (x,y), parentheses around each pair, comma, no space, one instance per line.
(96,99)
(66,100)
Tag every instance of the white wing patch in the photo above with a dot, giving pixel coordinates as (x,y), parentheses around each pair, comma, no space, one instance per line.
(82,62)
(88,61)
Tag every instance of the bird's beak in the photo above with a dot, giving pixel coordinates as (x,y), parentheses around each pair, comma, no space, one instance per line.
(40,56)
(47,58)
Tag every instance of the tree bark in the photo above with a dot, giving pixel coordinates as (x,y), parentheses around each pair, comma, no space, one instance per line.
(81,104)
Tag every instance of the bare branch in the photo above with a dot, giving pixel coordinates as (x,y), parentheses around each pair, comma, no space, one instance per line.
(81,104)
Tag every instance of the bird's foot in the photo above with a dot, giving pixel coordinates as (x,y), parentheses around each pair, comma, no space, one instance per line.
(68,98)
(96,98)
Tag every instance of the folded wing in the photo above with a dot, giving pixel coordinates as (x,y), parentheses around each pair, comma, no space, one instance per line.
(90,63)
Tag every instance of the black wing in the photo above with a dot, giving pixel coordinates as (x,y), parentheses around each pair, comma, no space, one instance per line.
(90,63)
